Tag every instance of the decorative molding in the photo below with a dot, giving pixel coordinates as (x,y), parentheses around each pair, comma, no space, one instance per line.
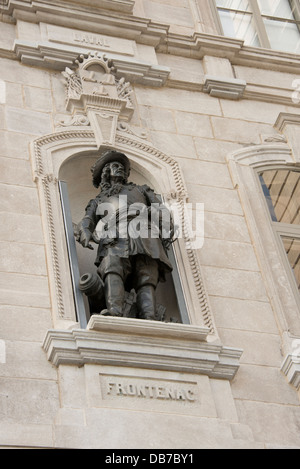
(125,6)
(288,124)
(200,44)
(266,138)
(77,120)
(142,344)
(261,155)
(140,145)
(63,305)
(94,84)
(59,56)
(49,140)
(146,31)
(291,369)
(286,118)
(48,181)
(228,88)
(137,132)
(269,93)
(142,30)
(94,90)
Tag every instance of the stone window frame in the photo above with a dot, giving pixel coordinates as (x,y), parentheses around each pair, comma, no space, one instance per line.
(244,166)
(258,19)
(284,229)
(48,153)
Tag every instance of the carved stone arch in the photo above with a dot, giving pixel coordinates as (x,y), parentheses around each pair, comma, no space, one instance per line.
(49,153)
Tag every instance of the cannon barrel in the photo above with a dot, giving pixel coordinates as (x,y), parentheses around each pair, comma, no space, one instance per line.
(92,286)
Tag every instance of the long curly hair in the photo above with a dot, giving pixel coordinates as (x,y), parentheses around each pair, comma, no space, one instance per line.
(105,185)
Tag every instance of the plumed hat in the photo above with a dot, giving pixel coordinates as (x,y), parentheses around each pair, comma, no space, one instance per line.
(108,157)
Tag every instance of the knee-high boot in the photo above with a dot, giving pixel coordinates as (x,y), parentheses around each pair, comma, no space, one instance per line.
(114,295)
(146,303)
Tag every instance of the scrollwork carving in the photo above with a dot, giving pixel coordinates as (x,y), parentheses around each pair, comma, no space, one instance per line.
(76,121)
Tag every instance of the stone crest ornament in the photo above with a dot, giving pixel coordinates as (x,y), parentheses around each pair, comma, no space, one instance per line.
(94,90)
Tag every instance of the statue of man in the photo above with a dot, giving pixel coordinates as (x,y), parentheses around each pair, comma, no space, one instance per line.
(134,231)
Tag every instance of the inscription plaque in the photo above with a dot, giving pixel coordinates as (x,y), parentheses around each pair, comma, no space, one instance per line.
(114,387)
(90,40)
(149,391)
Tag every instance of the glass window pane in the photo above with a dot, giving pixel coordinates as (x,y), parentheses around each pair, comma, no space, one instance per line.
(239,26)
(283,36)
(292,248)
(278,8)
(242,5)
(282,191)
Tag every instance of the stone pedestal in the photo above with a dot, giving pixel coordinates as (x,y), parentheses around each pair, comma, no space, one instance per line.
(129,383)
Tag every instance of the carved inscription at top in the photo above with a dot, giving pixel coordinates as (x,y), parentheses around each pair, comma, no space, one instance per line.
(88,40)
(91,39)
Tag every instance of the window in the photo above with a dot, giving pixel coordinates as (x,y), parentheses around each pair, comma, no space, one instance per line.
(272,24)
(281,188)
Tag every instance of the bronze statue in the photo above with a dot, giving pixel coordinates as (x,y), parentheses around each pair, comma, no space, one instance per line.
(133,231)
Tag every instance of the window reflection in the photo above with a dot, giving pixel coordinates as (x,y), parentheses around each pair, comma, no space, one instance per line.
(237,21)
(277,8)
(281,188)
(262,23)
(292,248)
(234,4)
(240,26)
(283,35)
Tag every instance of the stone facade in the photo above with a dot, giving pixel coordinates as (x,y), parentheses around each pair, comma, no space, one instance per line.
(198,114)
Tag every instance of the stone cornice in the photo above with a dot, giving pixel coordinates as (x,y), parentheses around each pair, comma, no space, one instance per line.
(58,57)
(286,118)
(228,88)
(142,344)
(57,54)
(142,30)
(199,44)
(145,31)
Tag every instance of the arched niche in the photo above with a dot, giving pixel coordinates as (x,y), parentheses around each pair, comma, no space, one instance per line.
(68,156)
(75,172)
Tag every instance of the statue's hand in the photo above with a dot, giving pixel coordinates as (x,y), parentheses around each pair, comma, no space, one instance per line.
(172,237)
(84,237)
